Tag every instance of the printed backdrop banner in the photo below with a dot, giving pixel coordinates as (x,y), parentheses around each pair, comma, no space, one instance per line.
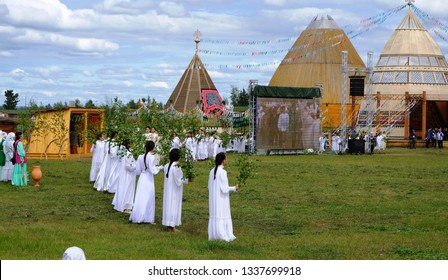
(287,123)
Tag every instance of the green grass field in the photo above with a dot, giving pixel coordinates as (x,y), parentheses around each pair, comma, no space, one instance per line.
(391,205)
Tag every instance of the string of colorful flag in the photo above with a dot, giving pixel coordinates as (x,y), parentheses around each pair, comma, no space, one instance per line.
(438,25)
(365,23)
(426,17)
(371,22)
(255,53)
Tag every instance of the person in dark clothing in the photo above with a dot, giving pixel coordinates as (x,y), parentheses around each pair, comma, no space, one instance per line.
(413,140)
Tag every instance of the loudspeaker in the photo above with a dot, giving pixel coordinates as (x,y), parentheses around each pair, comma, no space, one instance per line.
(357,85)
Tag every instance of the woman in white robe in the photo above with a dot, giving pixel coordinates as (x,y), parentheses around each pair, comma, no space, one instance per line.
(116,155)
(124,196)
(190,144)
(201,149)
(97,150)
(335,141)
(172,192)
(220,220)
(322,143)
(145,197)
(175,143)
(103,174)
(8,149)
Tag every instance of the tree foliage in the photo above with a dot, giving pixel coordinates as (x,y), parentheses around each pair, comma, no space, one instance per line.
(11,100)
(239,97)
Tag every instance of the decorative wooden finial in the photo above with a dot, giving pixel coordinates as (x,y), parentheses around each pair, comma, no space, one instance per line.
(197,34)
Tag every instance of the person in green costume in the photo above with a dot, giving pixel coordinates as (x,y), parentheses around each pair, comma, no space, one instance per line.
(19,176)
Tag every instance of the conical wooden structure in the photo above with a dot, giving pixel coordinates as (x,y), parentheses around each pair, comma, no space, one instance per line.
(412,63)
(316,58)
(187,94)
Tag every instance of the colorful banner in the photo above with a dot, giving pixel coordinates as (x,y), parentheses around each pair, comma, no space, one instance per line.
(427,18)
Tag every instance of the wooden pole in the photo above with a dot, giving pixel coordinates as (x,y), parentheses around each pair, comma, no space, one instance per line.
(406,117)
(423,114)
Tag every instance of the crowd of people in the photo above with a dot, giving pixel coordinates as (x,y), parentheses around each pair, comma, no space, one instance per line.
(115,170)
(13,159)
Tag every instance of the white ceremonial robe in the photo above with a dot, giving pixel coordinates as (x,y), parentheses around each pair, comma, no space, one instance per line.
(220,220)
(176,143)
(202,152)
(97,159)
(322,143)
(190,144)
(114,171)
(145,197)
(172,195)
(8,150)
(103,174)
(335,140)
(124,196)
(211,147)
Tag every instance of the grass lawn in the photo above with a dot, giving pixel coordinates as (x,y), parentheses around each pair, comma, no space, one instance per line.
(391,205)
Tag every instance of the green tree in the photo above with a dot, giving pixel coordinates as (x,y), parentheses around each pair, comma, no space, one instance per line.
(78,103)
(132,105)
(89,104)
(11,100)
(239,97)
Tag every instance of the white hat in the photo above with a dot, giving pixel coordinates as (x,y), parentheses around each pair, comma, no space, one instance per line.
(74,253)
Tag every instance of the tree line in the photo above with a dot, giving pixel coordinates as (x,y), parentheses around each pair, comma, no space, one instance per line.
(12,99)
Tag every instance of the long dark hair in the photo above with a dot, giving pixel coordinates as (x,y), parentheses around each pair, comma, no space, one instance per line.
(174,156)
(112,135)
(220,157)
(149,147)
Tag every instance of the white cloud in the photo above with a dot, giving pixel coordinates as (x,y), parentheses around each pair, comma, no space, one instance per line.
(48,93)
(74,44)
(18,74)
(172,9)
(48,82)
(128,83)
(87,73)
(156,85)
(6,54)
(275,2)
(218,75)
(49,71)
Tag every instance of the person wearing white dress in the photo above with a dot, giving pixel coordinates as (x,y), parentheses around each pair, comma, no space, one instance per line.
(103,174)
(335,142)
(211,146)
(145,198)
(201,146)
(220,220)
(97,150)
(176,143)
(116,155)
(172,192)
(322,143)
(8,150)
(124,196)
(380,144)
(190,144)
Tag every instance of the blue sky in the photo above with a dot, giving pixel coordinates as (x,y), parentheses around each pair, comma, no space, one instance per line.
(62,50)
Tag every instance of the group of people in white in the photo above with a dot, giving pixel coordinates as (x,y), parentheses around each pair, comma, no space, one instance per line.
(337,143)
(201,146)
(115,170)
(13,159)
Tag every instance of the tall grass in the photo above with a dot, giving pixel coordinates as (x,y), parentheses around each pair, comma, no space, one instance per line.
(391,205)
